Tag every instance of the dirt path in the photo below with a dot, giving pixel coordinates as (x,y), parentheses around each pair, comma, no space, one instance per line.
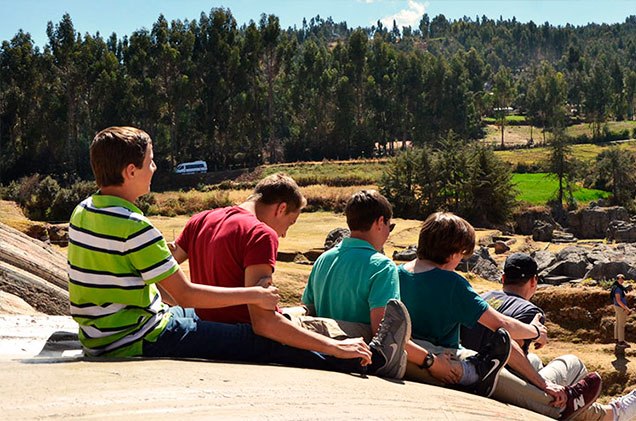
(55,387)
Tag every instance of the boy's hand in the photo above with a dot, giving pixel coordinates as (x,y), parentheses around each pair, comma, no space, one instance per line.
(352,348)
(172,246)
(559,396)
(267,297)
(447,370)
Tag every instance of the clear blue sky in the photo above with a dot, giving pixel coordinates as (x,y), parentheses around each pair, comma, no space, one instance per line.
(124,17)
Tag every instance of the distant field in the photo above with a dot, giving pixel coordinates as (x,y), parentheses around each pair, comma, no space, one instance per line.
(539,188)
(519,135)
(337,173)
(584,152)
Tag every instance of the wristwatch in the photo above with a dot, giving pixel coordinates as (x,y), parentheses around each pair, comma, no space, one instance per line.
(428,360)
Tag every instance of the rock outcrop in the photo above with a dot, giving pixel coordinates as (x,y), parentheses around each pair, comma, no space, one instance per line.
(526,219)
(621,231)
(482,264)
(33,271)
(542,231)
(593,222)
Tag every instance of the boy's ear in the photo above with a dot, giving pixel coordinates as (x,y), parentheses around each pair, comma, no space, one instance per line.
(129,171)
(281,209)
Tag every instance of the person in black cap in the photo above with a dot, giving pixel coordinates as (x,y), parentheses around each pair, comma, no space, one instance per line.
(519,285)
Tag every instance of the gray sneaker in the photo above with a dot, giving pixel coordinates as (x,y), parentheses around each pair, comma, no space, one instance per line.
(390,340)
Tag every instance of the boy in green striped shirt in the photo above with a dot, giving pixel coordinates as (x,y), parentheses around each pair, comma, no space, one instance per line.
(117,260)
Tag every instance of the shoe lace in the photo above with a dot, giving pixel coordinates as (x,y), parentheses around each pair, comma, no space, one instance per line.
(383,329)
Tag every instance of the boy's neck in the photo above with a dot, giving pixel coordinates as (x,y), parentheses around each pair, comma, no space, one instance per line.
(119,191)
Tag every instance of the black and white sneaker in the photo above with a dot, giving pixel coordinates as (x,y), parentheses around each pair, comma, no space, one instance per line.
(390,340)
(490,361)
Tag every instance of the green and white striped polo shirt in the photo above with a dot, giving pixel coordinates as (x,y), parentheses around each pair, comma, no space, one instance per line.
(115,257)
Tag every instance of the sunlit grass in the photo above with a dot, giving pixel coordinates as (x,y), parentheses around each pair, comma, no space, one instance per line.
(541,187)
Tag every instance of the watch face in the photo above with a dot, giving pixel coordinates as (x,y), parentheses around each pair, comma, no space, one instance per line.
(428,361)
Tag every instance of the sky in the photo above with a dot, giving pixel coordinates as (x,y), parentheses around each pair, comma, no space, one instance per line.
(125,16)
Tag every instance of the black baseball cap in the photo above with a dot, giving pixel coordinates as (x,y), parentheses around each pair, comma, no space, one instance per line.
(519,266)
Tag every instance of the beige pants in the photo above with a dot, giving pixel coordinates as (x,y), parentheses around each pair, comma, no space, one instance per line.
(619,326)
(512,389)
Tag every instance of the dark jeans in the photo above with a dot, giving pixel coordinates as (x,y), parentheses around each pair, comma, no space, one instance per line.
(187,336)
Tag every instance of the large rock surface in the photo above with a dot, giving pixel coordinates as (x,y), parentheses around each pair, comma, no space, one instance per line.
(593,222)
(70,388)
(33,271)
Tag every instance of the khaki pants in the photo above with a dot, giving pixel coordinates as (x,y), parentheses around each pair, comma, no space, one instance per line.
(619,327)
(565,370)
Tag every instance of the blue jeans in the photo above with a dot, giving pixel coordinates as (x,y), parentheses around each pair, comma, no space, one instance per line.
(187,336)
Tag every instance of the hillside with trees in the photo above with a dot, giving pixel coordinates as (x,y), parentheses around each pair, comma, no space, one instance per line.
(242,95)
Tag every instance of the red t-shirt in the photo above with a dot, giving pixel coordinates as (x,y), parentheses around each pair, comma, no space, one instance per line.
(220,244)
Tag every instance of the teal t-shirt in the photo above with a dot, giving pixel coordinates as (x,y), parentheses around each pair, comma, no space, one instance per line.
(350,280)
(439,301)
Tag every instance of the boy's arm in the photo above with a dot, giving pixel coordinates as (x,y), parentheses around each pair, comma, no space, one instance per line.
(275,326)
(187,294)
(493,320)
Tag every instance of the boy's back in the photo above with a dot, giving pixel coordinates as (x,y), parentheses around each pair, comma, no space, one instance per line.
(115,256)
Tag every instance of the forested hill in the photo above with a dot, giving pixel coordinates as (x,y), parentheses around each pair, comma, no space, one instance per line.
(238,94)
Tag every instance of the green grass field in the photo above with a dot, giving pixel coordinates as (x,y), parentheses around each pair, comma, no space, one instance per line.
(539,188)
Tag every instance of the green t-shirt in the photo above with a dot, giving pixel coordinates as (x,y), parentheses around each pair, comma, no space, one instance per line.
(350,280)
(115,257)
(439,301)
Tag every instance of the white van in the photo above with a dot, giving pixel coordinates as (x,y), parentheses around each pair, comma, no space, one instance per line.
(192,167)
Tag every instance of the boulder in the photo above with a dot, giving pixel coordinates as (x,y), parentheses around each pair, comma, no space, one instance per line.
(593,222)
(405,255)
(544,258)
(526,219)
(501,247)
(482,264)
(542,231)
(565,253)
(609,270)
(335,236)
(563,237)
(572,262)
(621,231)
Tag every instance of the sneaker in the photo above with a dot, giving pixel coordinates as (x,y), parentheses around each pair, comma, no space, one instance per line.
(391,338)
(581,395)
(490,361)
(624,344)
(625,407)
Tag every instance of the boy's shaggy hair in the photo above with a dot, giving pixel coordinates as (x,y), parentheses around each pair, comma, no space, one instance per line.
(444,234)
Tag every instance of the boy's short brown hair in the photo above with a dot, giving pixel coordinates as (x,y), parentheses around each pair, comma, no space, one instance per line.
(279,188)
(444,234)
(113,149)
(364,208)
